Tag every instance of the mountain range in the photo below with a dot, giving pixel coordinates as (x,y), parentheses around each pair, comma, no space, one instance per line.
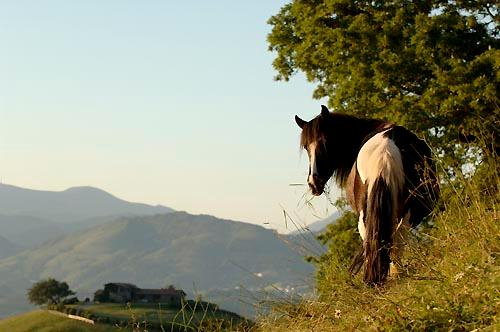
(152,246)
(70,205)
(30,217)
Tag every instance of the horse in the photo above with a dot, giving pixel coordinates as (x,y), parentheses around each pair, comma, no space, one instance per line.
(389,177)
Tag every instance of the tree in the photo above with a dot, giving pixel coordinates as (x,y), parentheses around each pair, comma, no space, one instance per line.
(101,295)
(49,291)
(430,65)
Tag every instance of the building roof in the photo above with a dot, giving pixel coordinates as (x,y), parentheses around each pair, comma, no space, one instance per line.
(149,291)
(161,291)
(122,284)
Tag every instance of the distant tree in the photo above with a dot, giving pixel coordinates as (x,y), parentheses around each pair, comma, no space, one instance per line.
(101,295)
(49,291)
(430,65)
(71,300)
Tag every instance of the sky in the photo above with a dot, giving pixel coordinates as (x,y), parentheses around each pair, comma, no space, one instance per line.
(160,102)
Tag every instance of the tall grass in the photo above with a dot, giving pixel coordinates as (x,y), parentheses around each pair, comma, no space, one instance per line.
(191,316)
(450,280)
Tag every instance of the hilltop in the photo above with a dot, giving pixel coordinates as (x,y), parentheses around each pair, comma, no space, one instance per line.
(70,205)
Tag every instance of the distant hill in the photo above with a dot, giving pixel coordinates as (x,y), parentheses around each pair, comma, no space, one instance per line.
(28,232)
(70,205)
(7,248)
(29,217)
(189,251)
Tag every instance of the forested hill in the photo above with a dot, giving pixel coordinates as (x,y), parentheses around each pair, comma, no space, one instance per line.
(152,251)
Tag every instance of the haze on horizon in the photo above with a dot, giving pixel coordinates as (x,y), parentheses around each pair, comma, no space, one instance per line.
(161,103)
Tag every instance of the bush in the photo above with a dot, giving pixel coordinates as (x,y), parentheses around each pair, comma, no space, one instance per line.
(85,314)
(71,300)
(101,295)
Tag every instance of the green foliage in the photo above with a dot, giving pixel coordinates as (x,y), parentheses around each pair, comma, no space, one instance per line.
(101,295)
(71,300)
(432,66)
(146,316)
(49,291)
(342,237)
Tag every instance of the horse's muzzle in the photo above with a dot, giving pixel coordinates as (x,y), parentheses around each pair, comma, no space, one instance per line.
(317,187)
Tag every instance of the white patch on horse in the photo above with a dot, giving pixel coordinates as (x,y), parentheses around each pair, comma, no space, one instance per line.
(361,225)
(313,169)
(380,157)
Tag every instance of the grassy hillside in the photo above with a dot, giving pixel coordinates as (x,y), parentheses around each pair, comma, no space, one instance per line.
(43,321)
(139,317)
(451,281)
(151,316)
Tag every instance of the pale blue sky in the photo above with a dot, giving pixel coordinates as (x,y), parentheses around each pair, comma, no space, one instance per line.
(162,102)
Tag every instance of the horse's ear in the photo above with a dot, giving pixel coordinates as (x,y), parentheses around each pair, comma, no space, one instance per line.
(301,123)
(324,110)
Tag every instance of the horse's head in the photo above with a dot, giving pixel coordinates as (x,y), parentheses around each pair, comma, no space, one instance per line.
(315,140)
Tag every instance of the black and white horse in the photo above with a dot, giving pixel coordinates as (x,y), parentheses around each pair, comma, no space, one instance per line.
(388,174)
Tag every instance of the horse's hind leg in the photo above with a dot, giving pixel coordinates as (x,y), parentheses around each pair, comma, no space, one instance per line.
(399,238)
(361,225)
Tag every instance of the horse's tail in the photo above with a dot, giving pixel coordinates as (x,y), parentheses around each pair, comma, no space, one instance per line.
(382,214)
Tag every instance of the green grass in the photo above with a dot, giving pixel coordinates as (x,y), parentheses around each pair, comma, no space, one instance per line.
(144,316)
(451,281)
(43,321)
(156,313)
(140,317)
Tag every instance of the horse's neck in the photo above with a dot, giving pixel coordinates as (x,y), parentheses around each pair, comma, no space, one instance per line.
(357,132)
